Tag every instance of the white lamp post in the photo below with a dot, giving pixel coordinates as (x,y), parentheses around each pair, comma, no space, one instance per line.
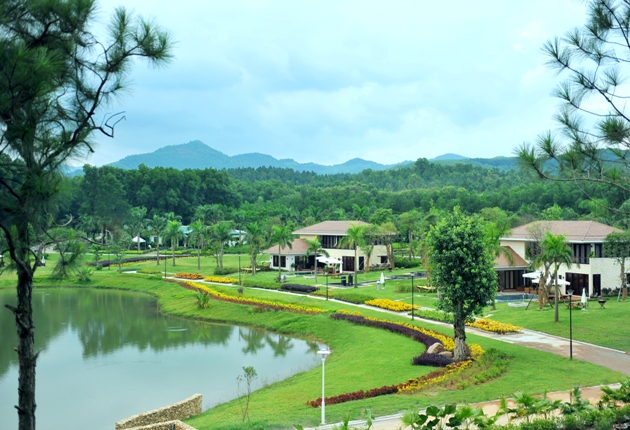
(323,353)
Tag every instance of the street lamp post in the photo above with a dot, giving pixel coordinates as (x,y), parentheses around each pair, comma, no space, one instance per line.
(323,353)
(326,268)
(412,307)
(165,266)
(570,293)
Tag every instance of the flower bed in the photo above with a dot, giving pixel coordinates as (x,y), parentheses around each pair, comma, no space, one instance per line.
(220,279)
(480,323)
(391,305)
(426,336)
(267,304)
(188,275)
(494,326)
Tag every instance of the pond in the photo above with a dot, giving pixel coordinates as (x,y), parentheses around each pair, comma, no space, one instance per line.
(107,355)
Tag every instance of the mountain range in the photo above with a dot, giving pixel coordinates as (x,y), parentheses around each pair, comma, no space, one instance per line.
(198,155)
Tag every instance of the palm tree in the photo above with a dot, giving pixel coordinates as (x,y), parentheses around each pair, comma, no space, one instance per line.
(315,247)
(222,233)
(197,235)
(281,236)
(137,222)
(556,251)
(354,239)
(209,214)
(174,233)
(156,227)
(255,238)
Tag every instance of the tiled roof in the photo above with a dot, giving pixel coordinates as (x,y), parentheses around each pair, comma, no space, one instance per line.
(502,260)
(298,247)
(575,231)
(329,228)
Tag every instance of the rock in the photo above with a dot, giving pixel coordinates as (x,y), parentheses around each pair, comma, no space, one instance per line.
(436,348)
(448,354)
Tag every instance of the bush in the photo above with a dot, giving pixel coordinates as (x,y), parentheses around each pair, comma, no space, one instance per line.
(434,360)
(403,263)
(352,297)
(299,288)
(225,271)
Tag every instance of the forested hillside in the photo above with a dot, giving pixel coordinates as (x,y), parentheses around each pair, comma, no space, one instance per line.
(303,197)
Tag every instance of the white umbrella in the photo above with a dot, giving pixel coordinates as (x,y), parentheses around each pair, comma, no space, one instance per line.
(382,280)
(532,275)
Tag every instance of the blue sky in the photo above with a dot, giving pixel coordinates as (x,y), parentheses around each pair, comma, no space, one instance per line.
(329,81)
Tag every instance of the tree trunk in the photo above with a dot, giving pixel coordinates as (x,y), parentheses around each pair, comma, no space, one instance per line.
(198,258)
(173,249)
(279,264)
(459,328)
(252,259)
(138,242)
(25,349)
(158,251)
(356,265)
(624,289)
(556,298)
(541,293)
(410,245)
(390,256)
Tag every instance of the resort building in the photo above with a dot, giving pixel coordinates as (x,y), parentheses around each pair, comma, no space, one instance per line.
(590,270)
(330,234)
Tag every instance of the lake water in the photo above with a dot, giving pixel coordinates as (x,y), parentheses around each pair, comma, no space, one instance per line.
(107,355)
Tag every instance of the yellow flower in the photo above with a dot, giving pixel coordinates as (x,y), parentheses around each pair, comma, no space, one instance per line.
(391,305)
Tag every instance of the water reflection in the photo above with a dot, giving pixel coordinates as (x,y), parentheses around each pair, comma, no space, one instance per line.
(119,342)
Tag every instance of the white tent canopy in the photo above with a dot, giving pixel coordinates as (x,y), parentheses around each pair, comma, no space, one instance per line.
(328,260)
(138,239)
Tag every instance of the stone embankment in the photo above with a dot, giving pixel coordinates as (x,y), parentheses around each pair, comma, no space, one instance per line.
(166,418)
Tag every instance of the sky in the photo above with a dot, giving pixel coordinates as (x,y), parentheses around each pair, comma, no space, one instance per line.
(331,80)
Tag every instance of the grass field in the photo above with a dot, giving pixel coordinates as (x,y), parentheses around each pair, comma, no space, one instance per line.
(363,358)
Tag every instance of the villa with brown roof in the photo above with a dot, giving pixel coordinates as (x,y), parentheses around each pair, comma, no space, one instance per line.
(590,270)
(330,234)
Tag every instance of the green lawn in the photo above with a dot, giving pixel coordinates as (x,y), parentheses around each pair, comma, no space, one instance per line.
(362,358)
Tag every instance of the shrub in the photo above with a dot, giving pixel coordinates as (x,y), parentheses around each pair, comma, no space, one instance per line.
(150,272)
(403,263)
(188,275)
(353,297)
(225,271)
(299,288)
(433,360)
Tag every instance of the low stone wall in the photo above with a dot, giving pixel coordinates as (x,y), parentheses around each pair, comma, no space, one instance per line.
(166,425)
(164,418)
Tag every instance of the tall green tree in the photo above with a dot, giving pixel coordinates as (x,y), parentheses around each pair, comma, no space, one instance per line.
(354,239)
(255,237)
(592,144)
(174,233)
(281,236)
(463,269)
(556,251)
(315,248)
(222,233)
(137,222)
(56,79)
(410,220)
(197,236)
(157,225)
(617,246)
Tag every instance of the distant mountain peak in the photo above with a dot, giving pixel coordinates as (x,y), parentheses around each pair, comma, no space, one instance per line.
(198,155)
(449,156)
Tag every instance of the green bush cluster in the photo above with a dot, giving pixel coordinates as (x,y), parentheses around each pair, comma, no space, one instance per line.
(225,271)
(404,263)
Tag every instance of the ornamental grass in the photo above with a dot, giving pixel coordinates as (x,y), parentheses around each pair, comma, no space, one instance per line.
(391,305)
(267,304)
